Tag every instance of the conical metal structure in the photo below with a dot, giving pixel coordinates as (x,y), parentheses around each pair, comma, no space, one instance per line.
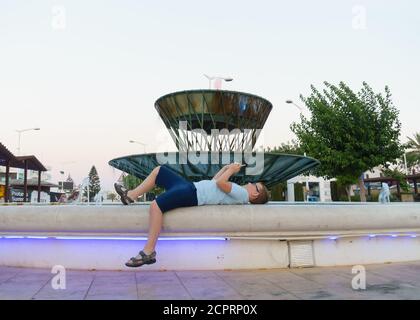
(221,126)
(235,116)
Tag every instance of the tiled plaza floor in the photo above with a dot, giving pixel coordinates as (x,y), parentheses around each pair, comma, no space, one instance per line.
(385,281)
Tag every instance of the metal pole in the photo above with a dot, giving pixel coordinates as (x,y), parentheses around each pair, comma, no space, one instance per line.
(19,136)
(6,190)
(19,133)
(307,184)
(25,182)
(300,109)
(405,162)
(141,143)
(39,186)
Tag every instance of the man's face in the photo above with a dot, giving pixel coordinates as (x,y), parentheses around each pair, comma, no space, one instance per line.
(254,189)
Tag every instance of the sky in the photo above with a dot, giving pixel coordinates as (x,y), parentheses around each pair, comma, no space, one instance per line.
(88,72)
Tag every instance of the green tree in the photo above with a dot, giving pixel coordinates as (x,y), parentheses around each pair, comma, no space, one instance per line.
(131,182)
(94,184)
(399,176)
(291,147)
(279,190)
(350,133)
(413,154)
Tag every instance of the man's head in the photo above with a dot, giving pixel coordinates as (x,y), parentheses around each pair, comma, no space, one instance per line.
(257,192)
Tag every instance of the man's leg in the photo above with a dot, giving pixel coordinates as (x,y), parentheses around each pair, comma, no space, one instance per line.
(147,185)
(155,225)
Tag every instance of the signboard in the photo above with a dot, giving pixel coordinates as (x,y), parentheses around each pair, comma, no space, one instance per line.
(16,195)
(66,185)
(2,191)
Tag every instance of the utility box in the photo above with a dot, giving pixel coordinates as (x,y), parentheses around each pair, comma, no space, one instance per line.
(301,254)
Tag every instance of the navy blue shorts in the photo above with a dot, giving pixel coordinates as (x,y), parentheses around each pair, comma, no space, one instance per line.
(178,191)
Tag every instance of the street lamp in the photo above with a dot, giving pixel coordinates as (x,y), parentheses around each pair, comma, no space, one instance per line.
(64,165)
(306,183)
(138,142)
(24,130)
(297,106)
(405,164)
(304,154)
(218,80)
(62,180)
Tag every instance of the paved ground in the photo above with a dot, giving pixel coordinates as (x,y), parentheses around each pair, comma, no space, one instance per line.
(386,281)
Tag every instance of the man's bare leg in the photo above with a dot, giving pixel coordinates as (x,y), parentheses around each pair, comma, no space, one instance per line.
(155,225)
(147,185)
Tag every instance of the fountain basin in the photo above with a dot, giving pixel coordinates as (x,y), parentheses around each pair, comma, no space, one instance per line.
(276,235)
(275,167)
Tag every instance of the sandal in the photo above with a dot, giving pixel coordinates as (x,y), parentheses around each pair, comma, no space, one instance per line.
(145,259)
(122,192)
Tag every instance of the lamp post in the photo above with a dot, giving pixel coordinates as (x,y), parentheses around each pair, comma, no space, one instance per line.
(405,164)
(141,143)
(62,180)
(306,184)
(297,106)
(64,165)
(18,171)
(24,130)
(306,178)
(218,81)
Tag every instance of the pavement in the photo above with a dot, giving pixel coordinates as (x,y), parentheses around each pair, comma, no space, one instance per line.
(394,281)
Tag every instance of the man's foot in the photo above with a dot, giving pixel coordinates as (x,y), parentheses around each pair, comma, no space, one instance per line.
(141,259)
(122,192)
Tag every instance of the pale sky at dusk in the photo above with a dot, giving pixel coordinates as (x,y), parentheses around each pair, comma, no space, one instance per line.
(91,85)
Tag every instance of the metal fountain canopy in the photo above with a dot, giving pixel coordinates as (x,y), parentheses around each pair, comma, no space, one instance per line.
(215,121)
(236,116)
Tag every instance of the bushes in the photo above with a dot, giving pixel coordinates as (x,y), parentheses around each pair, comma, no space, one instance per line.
(299,196)
(278,192)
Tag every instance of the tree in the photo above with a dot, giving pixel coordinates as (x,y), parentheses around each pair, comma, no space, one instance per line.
(413,154)
(278,191)
(349,133)
(131,182)
(399,176)
(94,184)
(291,147)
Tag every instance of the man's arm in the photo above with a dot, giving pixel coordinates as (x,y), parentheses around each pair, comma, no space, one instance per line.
(222,181)
(221,171)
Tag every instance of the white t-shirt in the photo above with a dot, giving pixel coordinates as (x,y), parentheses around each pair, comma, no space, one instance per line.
(209,193)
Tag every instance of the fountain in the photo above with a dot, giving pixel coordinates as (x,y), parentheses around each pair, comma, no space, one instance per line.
(211,128)
(220,126)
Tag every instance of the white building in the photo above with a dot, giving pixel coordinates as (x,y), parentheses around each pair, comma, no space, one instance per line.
(316,188)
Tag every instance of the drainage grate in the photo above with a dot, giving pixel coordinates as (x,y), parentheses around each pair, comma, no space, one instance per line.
(301,254)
